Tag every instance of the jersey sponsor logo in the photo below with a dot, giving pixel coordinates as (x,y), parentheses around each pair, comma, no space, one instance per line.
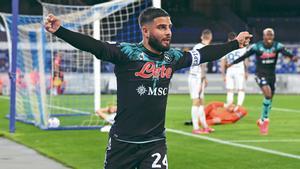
(195,57)
(152,91)
(141,90)
(149,70)
(266,55)
(269,61)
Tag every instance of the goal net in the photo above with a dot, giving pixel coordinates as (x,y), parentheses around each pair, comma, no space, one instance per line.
(56,80)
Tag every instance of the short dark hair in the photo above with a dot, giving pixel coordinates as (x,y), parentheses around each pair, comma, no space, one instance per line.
(149,14)
(231,35)
(206,32)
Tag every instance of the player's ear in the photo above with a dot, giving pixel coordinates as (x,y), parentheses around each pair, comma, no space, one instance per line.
(146,31)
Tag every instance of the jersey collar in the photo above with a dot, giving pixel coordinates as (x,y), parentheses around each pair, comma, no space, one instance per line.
(151,55)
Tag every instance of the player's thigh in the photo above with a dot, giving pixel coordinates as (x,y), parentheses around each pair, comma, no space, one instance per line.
(194,86)
(240,81)
(201,92)
(229,82)
(272,83)
(264,86)
(156,157)
(120,155)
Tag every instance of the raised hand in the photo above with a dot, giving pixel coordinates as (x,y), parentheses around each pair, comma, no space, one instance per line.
(52,23)
(243,38)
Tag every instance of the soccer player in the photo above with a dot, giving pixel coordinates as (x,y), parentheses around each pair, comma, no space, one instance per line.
(143,71)
(216,113)
(197,83)
(1,85)
(234,76)
(266,52)
(108,114)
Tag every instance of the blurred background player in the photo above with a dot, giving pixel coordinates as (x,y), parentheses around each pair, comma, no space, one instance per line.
(197,83)
(235,76)
(1,85)
(108,114)
(266,53)
(58,84)
(216,114)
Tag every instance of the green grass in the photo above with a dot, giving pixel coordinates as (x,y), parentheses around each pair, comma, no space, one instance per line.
(85,149)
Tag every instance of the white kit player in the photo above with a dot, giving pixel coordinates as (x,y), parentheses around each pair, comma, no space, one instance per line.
(234,76)
(197,83)
(108,114)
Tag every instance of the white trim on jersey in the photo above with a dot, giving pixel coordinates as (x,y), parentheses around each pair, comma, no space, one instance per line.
(196,87)
(195,67)
(195,57)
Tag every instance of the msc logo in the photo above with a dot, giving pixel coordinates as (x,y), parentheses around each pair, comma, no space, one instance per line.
(156,91)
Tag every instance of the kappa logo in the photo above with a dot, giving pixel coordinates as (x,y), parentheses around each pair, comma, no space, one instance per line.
(152,91)
(141,56)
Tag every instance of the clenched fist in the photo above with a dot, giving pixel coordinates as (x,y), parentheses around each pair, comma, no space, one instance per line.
(52,23)
(244,39)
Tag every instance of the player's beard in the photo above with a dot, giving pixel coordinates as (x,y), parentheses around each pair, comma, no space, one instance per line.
(156,44)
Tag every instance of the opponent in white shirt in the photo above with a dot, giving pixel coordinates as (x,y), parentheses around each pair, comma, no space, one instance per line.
(197,82)
(234,76)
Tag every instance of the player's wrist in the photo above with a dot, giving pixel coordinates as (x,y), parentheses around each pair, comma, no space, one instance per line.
(60,31)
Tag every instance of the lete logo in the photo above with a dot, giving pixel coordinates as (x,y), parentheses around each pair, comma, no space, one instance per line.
(150,70)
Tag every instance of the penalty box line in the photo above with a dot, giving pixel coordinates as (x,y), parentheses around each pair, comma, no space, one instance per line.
(233,144)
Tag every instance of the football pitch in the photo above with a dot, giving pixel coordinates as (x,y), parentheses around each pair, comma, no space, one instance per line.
(234,146)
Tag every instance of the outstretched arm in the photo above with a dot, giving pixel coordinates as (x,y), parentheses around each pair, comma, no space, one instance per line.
(103,112)
(286,52)
(246,55)
(102,50)
(213,52)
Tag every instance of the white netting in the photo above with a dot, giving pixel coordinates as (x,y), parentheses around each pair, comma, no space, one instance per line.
(58,80)
(30,75)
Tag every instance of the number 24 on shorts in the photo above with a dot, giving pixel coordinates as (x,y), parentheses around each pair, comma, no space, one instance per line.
(157,157)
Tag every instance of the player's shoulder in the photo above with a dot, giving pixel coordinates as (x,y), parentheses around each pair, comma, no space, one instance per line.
(131,50)
(278,45)
(173,54)
(257,45)
(242,50)
(198,46)
(128,48)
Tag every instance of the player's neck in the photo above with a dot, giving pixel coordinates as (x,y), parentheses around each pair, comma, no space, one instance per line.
(267,44)
(148,47)
(205,42)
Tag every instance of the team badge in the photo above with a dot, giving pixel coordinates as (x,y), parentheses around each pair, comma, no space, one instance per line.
(167,57)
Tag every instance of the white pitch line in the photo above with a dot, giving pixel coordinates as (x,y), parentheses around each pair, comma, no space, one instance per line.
(285,110)
(56,107)
(267,141)
(4,97)
(274,152)
(68,109)
(278,109)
